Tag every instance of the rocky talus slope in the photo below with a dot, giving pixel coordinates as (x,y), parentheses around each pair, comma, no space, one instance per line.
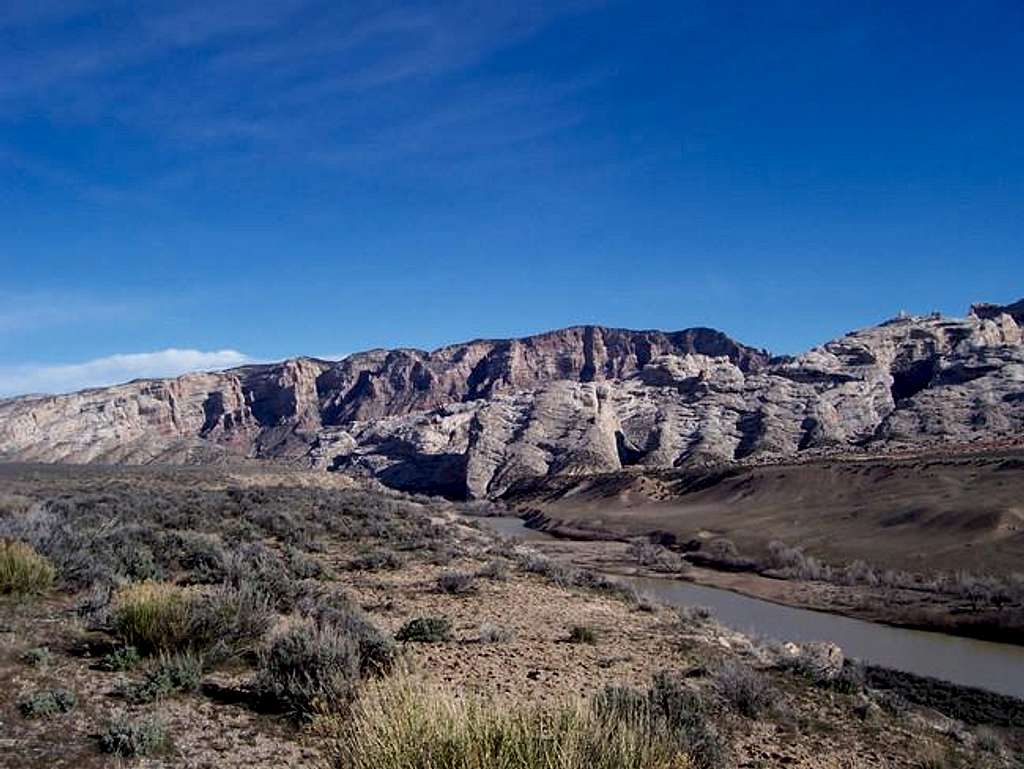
(478,418)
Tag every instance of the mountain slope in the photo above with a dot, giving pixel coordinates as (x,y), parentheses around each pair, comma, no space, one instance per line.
(478,418)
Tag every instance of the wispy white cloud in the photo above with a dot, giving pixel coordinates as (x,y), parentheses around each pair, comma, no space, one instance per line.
(113,369)
(295,80)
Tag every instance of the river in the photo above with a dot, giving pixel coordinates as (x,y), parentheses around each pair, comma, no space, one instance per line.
(994,666)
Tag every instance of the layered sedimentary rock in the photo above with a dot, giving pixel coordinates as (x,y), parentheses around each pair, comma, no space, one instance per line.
(478,418)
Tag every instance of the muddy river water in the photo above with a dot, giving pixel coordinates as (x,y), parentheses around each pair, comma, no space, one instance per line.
(993,666)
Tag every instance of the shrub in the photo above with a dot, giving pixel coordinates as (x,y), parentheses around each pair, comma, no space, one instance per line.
(377,560)
(136,561)
(89,551)
(851,678)
(565,576)
(455,582)
(558,573)
(582,634)
(425,630)
(229,622)
(257,564)
(23,571)
(496,570)
(684,714)
(988,741)
(824,665)
(657,557)
(47,702)
(645,602)
(172,674)
(859,573)
(494,634)
(892,702)
(723,549)
(309,670)
(403,725)
(152,616)
(748,692)
(782,557)
(125,737)
(934,758)
(722,553)
(94,606)
(668,708)
(39,656)
(690,615)
(14,504)
(377,651)
(602,583)
(302,565)
(201,556)
(124,658)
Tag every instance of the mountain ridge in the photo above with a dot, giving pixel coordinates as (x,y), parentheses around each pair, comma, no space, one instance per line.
(475,418)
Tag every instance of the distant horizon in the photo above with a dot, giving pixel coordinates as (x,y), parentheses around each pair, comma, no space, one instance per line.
(174,362)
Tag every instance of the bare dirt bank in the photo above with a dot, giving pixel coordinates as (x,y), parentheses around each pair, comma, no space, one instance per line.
(922,514)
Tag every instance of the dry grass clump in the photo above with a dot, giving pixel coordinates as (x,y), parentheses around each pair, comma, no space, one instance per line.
(583,634)
(672,711)
(152,616)
(23,571)
(218,623)
(405,725)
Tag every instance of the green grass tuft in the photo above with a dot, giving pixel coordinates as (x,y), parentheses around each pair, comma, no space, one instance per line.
(144,737)
(46,703)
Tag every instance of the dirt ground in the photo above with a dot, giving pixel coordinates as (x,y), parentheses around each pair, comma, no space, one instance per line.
(812,728)
(221,726)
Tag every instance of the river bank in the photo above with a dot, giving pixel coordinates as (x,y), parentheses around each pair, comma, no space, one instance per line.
(799,611)
(915,608)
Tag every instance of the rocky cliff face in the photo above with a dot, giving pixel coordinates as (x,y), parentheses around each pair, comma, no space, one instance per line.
(993,311)
(478,418)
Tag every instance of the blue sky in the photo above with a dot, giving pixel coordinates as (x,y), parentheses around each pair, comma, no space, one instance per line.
(188,184)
